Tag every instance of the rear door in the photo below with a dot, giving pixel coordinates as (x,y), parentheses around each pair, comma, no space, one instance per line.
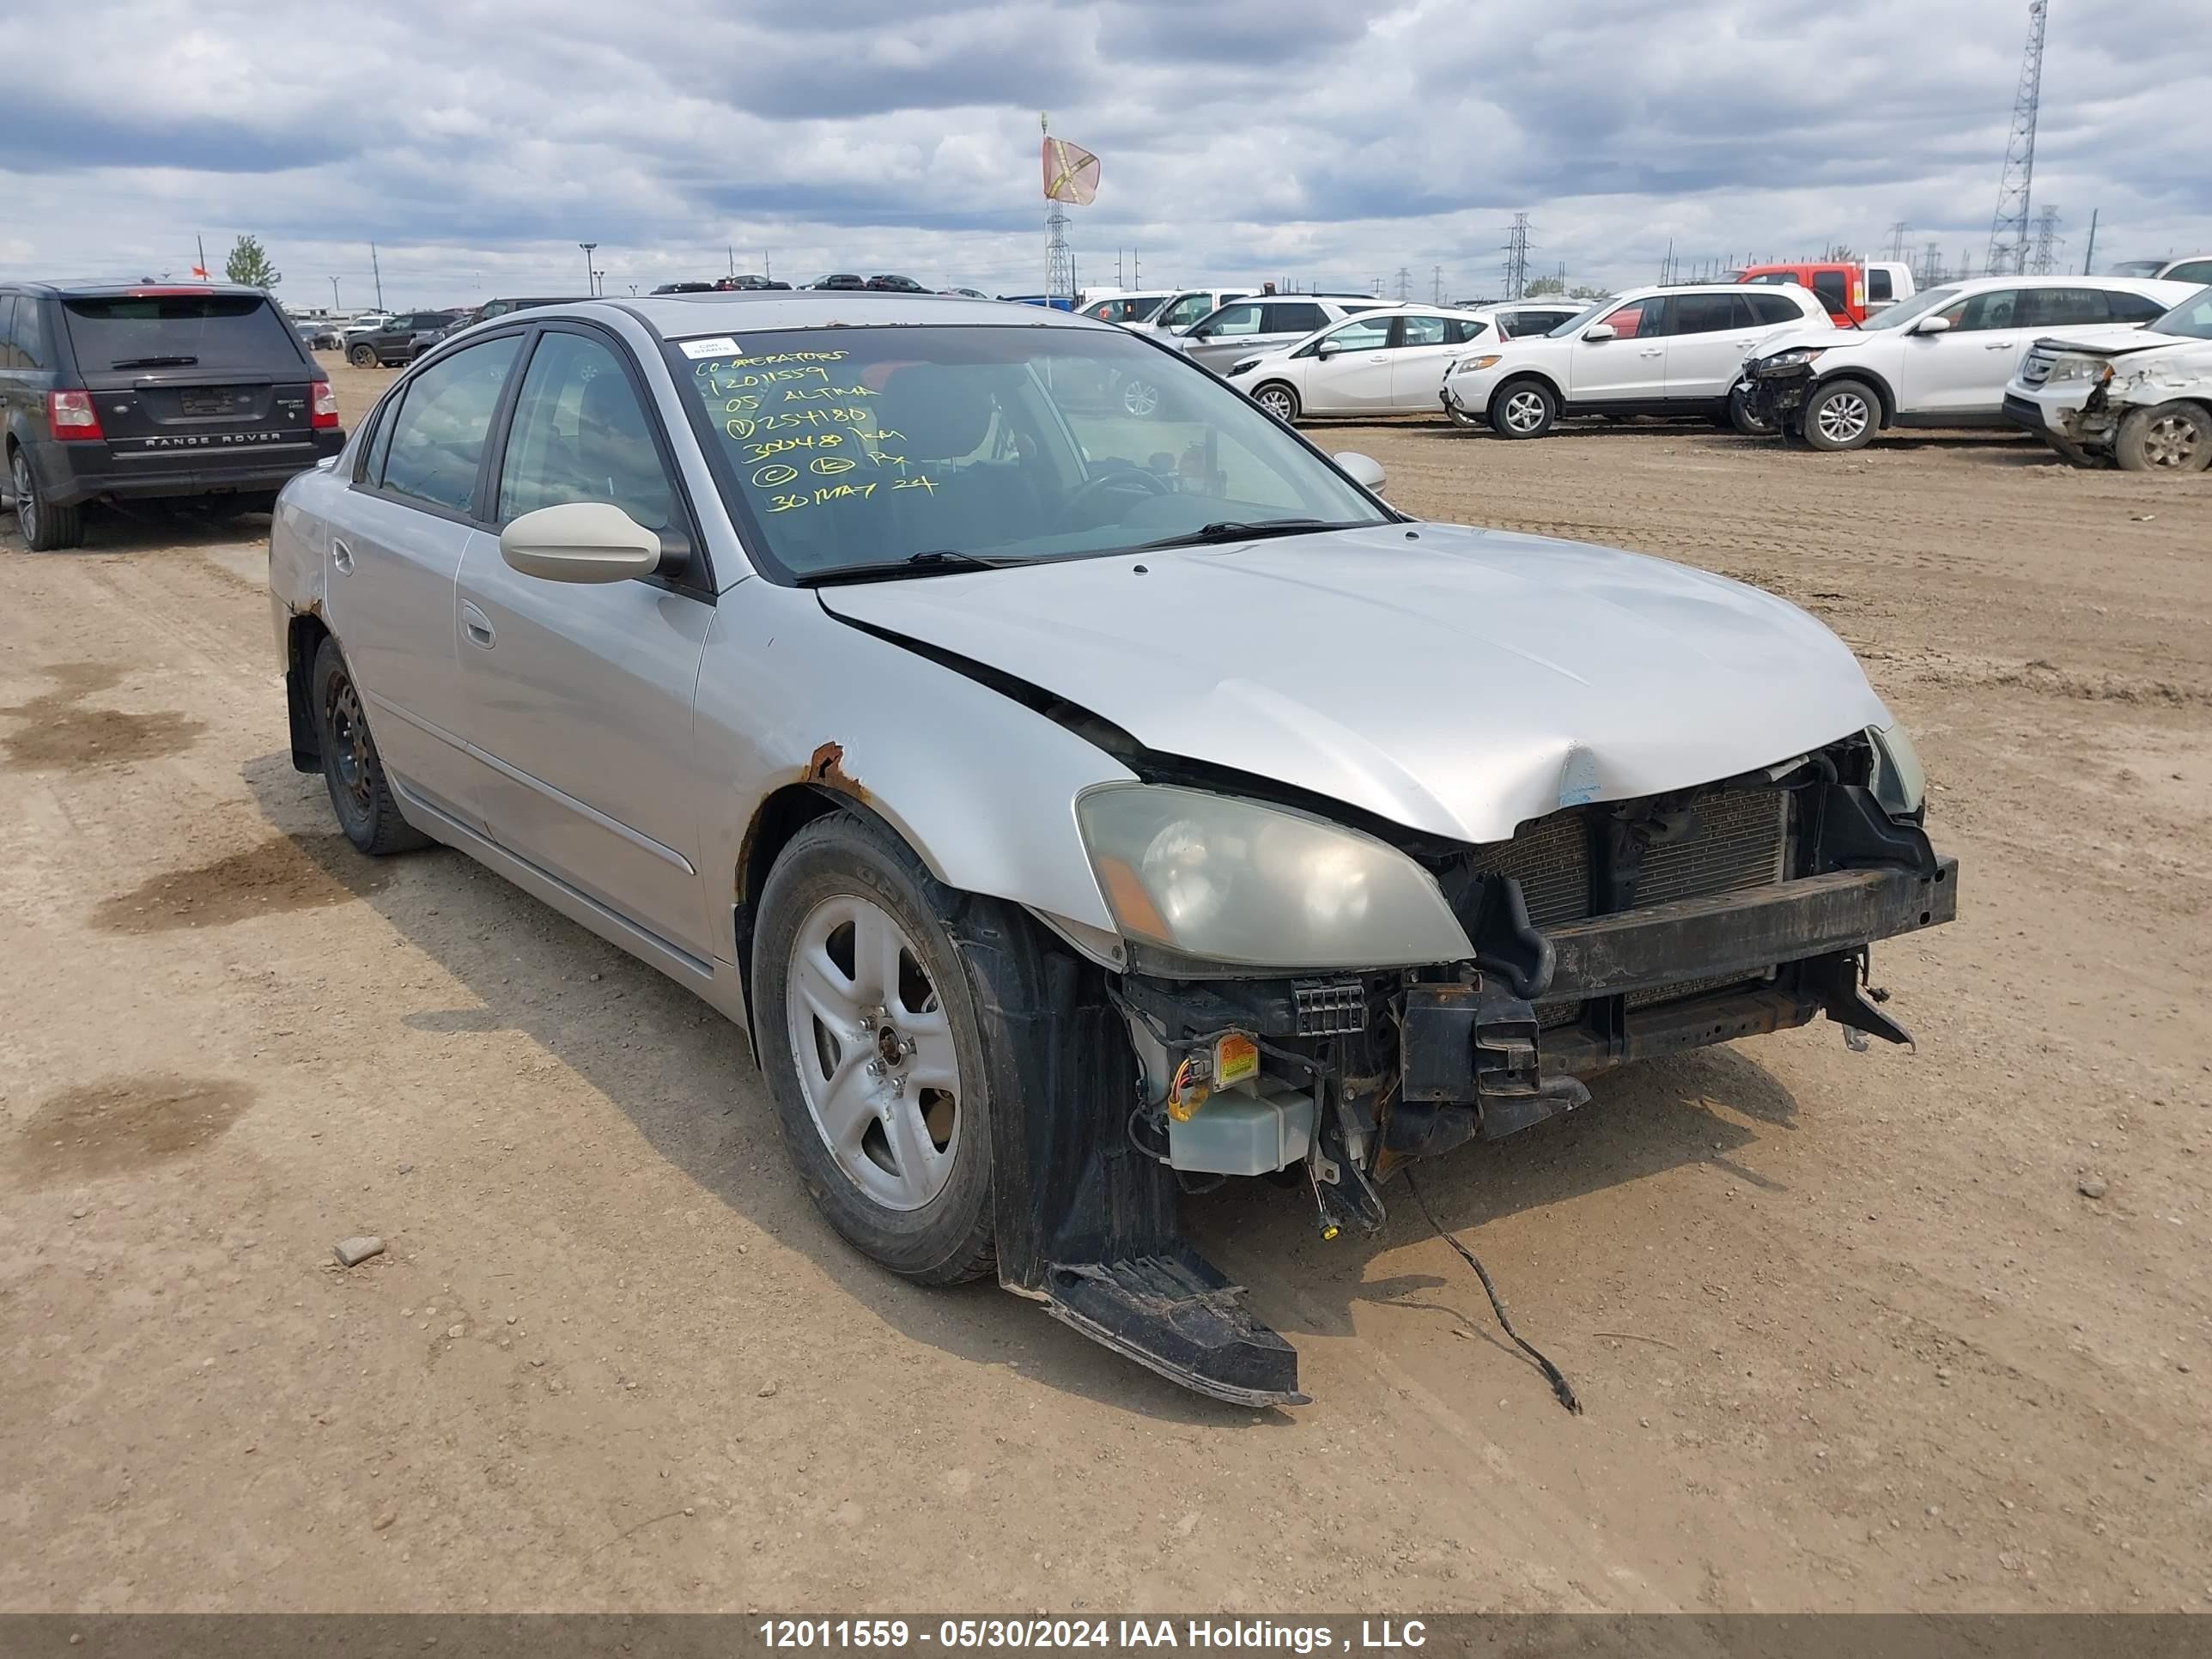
(1631,366)
(193,377)
(580,696)
(1708,336)
(396,544)
(1423,349)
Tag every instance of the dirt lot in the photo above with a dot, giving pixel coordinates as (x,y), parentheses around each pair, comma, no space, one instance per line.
(1850,1332)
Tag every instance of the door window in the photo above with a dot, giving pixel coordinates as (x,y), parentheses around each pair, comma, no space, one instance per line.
(1186,311)
(1298,317)
(1994,307)
(580,434)
(1423,331)
(1637,315)
(1830,288)
(2197,270)
(1232,320)
(8,359)
(1708,313)
(1878,284)
(2061,307)
(1363,334)
(437,434)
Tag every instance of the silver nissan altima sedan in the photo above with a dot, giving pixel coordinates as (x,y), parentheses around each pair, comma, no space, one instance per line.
(1075,807)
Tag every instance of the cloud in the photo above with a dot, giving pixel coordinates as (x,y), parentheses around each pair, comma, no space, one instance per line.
(1321,142)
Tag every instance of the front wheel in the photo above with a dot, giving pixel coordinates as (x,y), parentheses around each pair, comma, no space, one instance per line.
(1842,415)
(867,1026)
(1280,401)
(1745,419)
(1523,408)
(360,794)
(2173,439)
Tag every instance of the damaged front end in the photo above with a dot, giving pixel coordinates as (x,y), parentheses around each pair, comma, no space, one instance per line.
(1600,933)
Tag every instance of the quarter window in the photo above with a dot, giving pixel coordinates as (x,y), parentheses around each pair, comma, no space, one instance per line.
(437,434)
(1462,330)
(580,434)
(1767,308)
(2133,307)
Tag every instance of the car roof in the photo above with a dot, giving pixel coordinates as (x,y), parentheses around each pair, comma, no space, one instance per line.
(89,290)
(2125,285)
(682,316)
(1654,289)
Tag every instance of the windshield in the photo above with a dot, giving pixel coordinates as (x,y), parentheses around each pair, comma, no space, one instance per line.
(1589,315)
(1905,310)
(206,330)
(2191,319)
(853,447)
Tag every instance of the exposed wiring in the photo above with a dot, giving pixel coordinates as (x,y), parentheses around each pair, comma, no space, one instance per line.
(1558,1379)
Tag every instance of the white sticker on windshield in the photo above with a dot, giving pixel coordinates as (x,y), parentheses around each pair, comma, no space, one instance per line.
(721,346)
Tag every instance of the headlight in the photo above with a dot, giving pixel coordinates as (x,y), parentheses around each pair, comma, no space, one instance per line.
(2078,369)
(1244,368)
(1469,365)
(1791,359)
(1235,882)
(1900,783)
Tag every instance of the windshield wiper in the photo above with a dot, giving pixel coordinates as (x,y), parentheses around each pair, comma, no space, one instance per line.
(153,362)
(1230,529)
(937,563)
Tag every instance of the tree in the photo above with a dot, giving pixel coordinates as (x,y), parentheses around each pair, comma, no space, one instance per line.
(1584,291)
(1537,285)
(249,264)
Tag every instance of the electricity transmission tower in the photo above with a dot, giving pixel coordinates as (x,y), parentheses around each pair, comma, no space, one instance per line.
(1405,283)
(2009,250)
(2045,260)
(1516,257)
(1932,265)
(1897,230)
(1436,283)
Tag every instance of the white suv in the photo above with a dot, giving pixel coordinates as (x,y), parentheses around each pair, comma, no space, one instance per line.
(1649,351)
(1940,359)
(1187,305)
(2142,396)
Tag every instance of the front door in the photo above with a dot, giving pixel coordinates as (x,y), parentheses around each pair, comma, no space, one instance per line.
(1963,370)
(395,554)
(578,695)
(1351,368)
(1631,366)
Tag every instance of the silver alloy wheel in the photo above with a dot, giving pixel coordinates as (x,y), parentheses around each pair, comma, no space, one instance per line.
(1139,398)
(2169,444)
(1844,417)
(26,498)
(874,1054)
(1277,402)
(1525,411)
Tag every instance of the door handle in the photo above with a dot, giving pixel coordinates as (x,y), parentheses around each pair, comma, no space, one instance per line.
(476,625)
(2000,345)
(1380,357)
(341,556)
(1656,351)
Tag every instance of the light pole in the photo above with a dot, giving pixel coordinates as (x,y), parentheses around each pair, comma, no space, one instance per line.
(334,294)
(588,272)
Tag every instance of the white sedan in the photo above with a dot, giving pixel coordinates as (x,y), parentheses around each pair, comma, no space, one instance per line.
(1378,363)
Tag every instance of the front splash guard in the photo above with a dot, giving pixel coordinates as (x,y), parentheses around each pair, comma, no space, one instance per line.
(1175,1314)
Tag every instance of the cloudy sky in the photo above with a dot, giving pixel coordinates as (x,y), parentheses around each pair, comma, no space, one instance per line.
(1314,141)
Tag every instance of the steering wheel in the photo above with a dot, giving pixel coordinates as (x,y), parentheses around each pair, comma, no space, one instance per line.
(1119,479)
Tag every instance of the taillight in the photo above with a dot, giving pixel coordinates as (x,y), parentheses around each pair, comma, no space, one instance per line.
(69,415)
(326,410)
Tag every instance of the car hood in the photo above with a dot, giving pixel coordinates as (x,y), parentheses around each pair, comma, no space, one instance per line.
(1453,680)
(2110,340)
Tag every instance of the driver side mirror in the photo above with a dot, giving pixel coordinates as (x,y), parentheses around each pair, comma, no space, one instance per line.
(1600,331)
(1363,470)
(1326,349)
(1932,326)
(580,542)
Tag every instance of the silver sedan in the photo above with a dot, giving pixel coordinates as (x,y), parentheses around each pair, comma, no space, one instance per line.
(1072,806)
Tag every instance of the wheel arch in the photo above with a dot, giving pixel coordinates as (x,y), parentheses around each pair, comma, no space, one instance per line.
(304,634)
(1885,395)
(1549,381)
(1275,383)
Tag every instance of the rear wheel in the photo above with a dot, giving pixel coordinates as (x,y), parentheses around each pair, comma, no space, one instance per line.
(1280,401)
(867,1027)
(362,356)
(1842,415)
(360,793)
(1523,408)
(2173,439)
(45,527)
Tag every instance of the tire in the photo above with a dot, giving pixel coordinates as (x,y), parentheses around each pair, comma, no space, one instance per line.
(45,528)
(2171,440)
(920,1205)
(362,356)
(1842,416)
(1522,408)
(1279,400)
(1465,421)
(360,794)
(1740,418)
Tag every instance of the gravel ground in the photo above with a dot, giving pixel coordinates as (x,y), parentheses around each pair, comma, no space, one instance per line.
(1851,1331)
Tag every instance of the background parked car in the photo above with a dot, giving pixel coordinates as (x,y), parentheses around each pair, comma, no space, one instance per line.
(838,279)
(1850,292)
(747,284)
(1187,305)
(685,288)
(2141,397)
(1379,361)
(1266,323)
(891,283)
(1133,305)
(321,334)
(367,322)
(1942,359)
(2189,268)
(110,392)
(1650,351)
(965,293)
(400,340)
